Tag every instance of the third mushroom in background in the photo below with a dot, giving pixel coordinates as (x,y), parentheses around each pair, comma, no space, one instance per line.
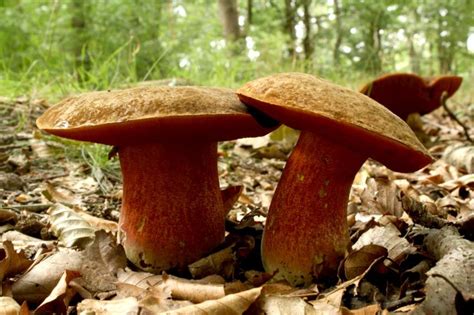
(407,93)
(306,233)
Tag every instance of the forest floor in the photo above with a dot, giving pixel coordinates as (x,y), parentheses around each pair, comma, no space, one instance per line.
(411,234)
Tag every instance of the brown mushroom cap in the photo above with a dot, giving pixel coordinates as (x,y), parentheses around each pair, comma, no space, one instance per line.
(406,93)
(151,113)
(306,102)
(446,83)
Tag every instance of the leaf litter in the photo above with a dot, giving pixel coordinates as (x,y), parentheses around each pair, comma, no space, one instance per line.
(411,234)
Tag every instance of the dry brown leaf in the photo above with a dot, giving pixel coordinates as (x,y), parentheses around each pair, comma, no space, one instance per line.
(228,305)
(183,289)
(101,262)
(97,223)
(23,241)
(71,229)
(216,263)
(127,306)
(58,300)
(142,280)
(358,261)
(98,265)
(7,216)
(281,305)
(381,195)
(8,306)
(389,237)
(11,262)
(38,282)
(367,310)
(61,195)
(460,155)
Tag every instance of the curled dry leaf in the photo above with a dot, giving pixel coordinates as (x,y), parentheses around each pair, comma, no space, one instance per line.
(358,261)
(196,292)
(69,227)
(461,155)
(142,280)
(101,261)
(98,265)
(281,298)
(38,282)
(127,306)
(216,263)
(8,306)
(12,263)
(8,216)
(58,300)
(389,237)
(228,305)
(381,195)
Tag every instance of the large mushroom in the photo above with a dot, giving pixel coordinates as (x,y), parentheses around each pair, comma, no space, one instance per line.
(172,209)
(306,232)
(406,93)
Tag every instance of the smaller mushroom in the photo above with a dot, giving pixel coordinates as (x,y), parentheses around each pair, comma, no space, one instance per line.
(306,232)
(172,209)
(406,93)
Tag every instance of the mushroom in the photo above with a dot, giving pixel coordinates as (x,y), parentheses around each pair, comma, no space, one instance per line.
(306,232)
(405,93)
(172,210)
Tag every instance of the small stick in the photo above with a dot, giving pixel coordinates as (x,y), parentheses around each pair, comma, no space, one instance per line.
(31,208)
(444,96)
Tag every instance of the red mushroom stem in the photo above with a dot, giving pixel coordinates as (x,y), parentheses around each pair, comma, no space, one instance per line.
(172,209)
(306,234)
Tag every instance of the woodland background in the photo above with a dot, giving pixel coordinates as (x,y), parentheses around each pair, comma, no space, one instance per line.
(57,47)
(56,195)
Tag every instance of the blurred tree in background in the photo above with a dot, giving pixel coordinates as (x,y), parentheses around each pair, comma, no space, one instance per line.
(58,45)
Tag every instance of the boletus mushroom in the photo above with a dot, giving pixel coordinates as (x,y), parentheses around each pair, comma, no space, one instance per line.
(172,210)
(306,232)
(406,93)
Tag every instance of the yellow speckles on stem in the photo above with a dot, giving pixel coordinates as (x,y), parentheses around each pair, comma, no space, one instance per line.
(300,177)
(322,193)
(141,224)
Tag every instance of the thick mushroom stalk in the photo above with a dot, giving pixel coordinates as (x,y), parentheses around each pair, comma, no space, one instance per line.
(172,209)
(306,233)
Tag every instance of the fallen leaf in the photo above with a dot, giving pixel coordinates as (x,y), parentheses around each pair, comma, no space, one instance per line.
(460,155)
(71,229)
(127,306)
(358,261)
(389,237)
(58,300)
(11,262)
(8,306)
(216,263)
(228,305)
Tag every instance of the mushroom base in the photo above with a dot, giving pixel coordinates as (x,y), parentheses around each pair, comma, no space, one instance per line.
(172,210)
(306,232)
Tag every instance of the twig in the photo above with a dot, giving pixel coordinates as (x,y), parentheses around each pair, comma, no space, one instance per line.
(418,213)
(444,97)
(32,208)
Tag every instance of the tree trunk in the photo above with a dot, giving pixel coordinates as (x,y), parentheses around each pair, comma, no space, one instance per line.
(375,45)
(308,44)
(289,27)
(229,16)
(413,55)
(82,62)
(339,34)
